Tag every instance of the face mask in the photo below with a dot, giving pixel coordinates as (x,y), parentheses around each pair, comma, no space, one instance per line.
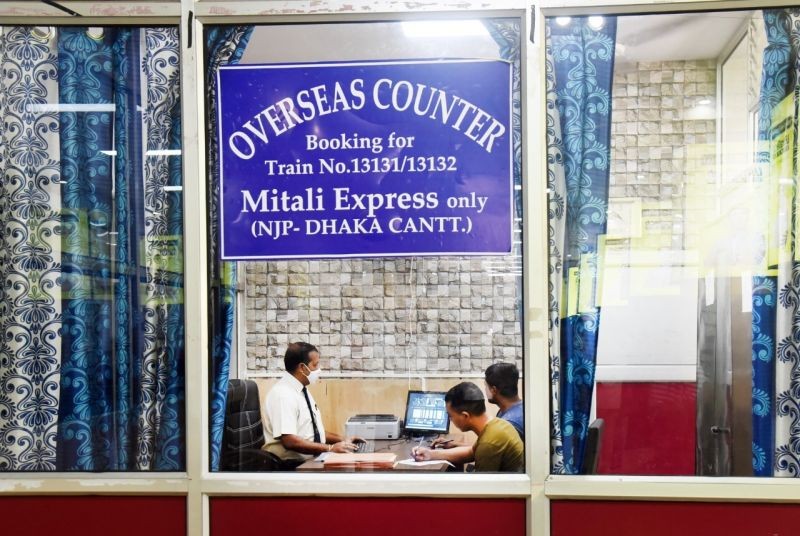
(313,375)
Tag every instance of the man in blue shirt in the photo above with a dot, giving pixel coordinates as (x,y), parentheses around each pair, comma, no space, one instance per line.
(501,389)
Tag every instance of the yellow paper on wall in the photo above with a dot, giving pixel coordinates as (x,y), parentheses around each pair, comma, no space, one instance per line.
(600,271)
(571,292)
(587,283)
(781,180)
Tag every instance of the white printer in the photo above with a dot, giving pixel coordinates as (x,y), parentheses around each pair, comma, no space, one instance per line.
(373,426)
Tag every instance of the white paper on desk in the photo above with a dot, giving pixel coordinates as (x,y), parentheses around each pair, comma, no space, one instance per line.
(411,461)
(322,457)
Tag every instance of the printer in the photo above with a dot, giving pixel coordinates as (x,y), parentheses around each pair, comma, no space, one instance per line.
(373,426)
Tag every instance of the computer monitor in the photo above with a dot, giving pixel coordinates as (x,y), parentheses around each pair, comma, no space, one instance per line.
(426,413)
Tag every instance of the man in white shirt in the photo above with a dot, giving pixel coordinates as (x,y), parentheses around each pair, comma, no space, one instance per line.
(293,426)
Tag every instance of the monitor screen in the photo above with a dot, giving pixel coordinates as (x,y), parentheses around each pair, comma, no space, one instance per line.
(426,413)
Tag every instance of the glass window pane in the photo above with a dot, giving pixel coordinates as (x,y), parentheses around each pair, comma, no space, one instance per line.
(675,321)
(91,306)
(393,334)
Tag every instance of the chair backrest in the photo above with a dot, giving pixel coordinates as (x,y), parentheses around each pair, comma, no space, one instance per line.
(243,428)
(591,455)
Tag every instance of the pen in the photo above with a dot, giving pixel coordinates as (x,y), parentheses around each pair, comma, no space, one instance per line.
(414,450)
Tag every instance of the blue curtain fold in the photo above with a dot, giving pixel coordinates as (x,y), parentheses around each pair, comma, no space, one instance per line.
(161,434)
(582,67)
(127,203)
(172,438)
(86,410)
(777,81)
(763,359)
(122,376)
(556,187)
(225,45)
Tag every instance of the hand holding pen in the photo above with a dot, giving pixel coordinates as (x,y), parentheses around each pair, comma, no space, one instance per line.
(421,454)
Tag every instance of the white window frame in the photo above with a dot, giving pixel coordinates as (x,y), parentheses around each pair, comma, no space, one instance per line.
(666,488)
(537,486)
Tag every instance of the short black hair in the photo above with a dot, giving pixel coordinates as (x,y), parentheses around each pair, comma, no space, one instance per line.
(466,396)
(298,353)
(504,377)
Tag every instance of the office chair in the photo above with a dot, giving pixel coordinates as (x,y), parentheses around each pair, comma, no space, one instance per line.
(244,433)
(591,454)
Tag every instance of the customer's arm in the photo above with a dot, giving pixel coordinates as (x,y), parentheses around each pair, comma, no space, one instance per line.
(449,443)
(458,455)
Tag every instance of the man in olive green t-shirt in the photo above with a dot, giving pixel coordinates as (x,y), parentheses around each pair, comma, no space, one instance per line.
(498,448)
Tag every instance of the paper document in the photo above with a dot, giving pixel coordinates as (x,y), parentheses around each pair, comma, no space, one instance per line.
(411,461)
(373,460)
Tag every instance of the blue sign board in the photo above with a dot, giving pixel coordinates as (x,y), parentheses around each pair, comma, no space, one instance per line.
(368,159)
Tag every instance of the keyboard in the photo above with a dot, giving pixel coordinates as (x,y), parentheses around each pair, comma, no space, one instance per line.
(365,447)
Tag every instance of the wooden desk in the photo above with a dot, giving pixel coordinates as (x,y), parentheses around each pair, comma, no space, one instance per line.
(400,447)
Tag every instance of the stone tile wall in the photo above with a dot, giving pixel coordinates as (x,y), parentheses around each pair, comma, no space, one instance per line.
(663,137)
(418,315)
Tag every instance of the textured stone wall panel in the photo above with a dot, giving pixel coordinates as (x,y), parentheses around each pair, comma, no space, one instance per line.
(444,315)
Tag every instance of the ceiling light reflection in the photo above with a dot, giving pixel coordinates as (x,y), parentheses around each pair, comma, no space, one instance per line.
(596,22)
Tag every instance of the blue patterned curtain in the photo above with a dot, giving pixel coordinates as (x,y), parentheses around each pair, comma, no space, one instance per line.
(774,87)
(121,404)
(776,292)
(91,306)
(30,203)
(556,187)
(86,427)
(122,399)
(579,72)
(225,45)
